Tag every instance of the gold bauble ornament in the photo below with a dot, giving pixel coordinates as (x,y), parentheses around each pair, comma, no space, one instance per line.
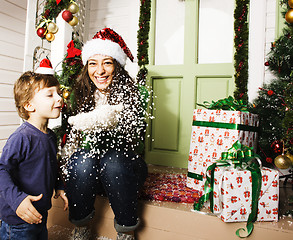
(74,21)
(289,16)
(52,27)
(50,36)
(282,162)
(290,156)
(65,94)
(73,8)
(290,2)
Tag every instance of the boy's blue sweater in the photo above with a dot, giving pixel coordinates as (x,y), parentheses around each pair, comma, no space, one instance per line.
(28,166)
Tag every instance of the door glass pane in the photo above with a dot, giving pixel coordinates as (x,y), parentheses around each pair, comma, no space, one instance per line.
(215,41)
(169,42)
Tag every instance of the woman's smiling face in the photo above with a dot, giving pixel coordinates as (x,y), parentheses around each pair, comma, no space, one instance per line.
(100,70)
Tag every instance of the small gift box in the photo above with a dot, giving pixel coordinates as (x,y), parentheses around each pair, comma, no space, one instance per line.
(239,189)
(232,193)
(213,132)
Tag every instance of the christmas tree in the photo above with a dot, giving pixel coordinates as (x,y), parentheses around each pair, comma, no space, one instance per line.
(274,105)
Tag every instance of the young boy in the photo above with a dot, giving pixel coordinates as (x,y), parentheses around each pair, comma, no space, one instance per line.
(28,164)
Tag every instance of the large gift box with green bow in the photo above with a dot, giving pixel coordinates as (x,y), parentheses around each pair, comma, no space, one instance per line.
(213,132)
(238,188)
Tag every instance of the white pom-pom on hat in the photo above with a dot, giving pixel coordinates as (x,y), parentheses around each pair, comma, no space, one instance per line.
(45,67)
(109,43)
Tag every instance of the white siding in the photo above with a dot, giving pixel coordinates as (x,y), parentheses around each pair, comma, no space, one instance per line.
(12,29)
(270,33)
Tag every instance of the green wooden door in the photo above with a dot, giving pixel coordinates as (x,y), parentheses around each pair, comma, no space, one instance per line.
(178,87)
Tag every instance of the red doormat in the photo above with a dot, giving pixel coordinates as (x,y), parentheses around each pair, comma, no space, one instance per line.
(168,187)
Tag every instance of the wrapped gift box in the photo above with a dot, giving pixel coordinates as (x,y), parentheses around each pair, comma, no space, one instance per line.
(233,190)
(213,132)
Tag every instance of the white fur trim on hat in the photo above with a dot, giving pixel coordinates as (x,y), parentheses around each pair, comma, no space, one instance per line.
(45,70)
(103,47)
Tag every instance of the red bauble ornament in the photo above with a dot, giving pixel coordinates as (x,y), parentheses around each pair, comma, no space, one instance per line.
(41,32)
(269,160)
(267,64)
(270,92)
(277,146)
(67,15)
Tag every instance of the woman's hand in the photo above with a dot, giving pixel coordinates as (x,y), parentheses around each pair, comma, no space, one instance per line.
(61,193)
(103,117)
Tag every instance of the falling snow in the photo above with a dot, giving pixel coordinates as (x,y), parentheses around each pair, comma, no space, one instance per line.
(117,122)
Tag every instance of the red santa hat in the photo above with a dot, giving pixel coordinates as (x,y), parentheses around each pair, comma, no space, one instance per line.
(45,67)
(109,43)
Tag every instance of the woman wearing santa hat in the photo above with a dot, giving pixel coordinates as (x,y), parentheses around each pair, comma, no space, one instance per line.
(109,123)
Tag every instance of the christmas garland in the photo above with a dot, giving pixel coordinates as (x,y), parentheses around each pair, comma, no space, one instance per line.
(71,68)
(71,65)
(241,49)
(46,27)
(142,40)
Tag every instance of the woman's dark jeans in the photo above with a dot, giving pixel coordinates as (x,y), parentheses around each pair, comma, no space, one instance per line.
(118,173)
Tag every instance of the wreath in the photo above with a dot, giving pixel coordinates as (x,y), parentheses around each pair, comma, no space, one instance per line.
(46,28)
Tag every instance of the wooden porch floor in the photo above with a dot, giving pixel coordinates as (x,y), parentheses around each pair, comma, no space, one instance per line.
(172,221)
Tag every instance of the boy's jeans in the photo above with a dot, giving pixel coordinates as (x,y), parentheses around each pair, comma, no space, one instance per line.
(24,231)
(117,173)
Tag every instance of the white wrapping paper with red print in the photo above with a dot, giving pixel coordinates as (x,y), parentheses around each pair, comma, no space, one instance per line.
(233,190)
(208,142)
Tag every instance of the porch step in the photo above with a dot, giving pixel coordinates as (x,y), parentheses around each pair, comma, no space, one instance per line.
(166,221)
(171,221)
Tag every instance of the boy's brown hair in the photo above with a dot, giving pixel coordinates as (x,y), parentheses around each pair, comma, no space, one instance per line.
(25,87)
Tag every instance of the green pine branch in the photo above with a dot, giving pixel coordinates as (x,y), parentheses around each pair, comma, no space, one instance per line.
(241,49)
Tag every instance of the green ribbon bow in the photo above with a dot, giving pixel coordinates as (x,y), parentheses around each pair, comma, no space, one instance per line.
(239,156)
(226,104)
